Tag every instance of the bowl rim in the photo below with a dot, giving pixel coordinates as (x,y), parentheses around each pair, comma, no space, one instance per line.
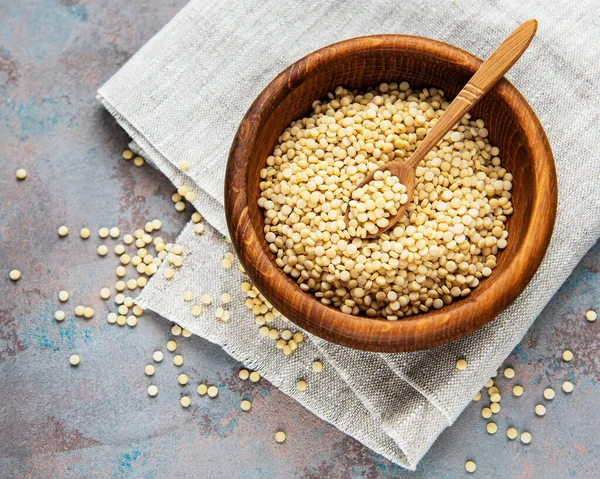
(418,332)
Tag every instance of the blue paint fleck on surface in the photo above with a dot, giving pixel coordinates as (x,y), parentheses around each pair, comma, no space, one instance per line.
(127,460)
(79,11)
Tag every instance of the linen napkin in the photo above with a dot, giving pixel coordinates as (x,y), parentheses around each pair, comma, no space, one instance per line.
(182,96)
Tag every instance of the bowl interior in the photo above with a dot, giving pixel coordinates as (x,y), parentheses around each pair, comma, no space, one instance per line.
(415,61)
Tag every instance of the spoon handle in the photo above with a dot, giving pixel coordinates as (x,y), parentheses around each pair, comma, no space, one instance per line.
(488,74)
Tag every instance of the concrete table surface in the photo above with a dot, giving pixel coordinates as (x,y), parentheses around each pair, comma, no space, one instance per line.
(96,420)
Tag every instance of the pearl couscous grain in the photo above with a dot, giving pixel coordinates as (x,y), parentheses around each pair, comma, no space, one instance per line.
(444,244)
(14,275)
(549,394)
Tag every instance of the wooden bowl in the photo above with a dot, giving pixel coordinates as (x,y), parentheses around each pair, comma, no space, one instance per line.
(360,63)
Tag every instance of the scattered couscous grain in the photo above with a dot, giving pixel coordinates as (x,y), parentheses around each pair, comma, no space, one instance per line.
(190,196)
(152,390)
(477,397)
(186,333)
(567,355)
(244,374)
(517,391)
(59,315)
(171,345)
(491,428)
(138,161)
(567,387)
(185,401)
(79,310)
(114,232)
(175,330)
(212,391)
(188,295)
(280,436)
(509,373)
(103,232)
(183,379)
(21,174)
(202,389)
(84,233)
(254,376)
(178,360)
(245,405)
(105,293)
(495,408)
(127,154)
(512,433)
(132,321)
(149,370)
(196,310)
(317,366)
(63,231)
(525,438)
(486,413)
(549,394)
(74,360)
(225,298)
(461,364)
(540,409)
(88,312)
(301,385)
(63,296)
(15,274)
(102,250)
(591,316)
(470,466)
(157,356)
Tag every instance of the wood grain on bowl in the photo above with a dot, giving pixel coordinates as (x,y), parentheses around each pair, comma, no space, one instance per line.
(358,64)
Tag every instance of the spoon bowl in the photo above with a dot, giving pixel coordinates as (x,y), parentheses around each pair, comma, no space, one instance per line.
(405,172)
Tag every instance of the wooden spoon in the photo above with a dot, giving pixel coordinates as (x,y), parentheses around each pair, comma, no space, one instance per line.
(490,72)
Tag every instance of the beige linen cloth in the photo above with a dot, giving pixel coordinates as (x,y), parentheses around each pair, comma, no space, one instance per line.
(182,96)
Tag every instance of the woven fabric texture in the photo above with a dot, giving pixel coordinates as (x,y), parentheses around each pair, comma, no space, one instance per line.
(182,96)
